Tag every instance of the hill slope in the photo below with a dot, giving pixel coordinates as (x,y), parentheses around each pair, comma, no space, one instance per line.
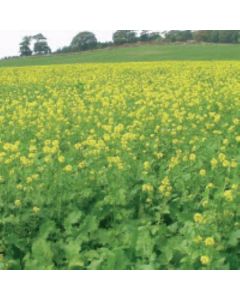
(135,53)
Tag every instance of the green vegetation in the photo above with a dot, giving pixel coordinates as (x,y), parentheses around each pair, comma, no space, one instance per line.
(135,54)
(120,166)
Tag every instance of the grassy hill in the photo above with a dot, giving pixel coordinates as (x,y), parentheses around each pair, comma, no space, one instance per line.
(135,53)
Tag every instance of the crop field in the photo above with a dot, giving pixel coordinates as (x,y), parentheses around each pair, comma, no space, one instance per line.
(120,166)
(140,53)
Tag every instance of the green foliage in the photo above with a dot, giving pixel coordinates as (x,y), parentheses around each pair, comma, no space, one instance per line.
(147,35)
(124,36)
(84,41)
(120,166)
(178,35)
(217,36)
(41,46)
(25,46)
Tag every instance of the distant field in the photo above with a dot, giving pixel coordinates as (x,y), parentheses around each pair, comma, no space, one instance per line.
(135,54)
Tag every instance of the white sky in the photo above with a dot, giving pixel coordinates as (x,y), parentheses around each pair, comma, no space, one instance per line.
(10,39)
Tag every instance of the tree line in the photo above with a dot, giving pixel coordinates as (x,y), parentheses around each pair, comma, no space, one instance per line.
(87,40)
(40,45)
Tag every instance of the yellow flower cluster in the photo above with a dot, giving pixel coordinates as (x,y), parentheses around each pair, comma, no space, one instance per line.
(147,187)
(165,188)
(198,218)
(228,195)
(205,260)
(158,131)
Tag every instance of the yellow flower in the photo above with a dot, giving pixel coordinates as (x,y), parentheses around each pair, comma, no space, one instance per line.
(225,141)
(165,188)
(214,163)
(198,218)
(82,165)
(209,242)
(35,176)
(235,121)
(29,179)
(225,163)
(68,168)
(202,172)
(36,209)
(228,195)
(210,185)
(146,166)
(237,138)
(205,260)
(159,155)
(205,203)
(18,203)
(233,164)
(47,159)
(61,158)
(192,157)
(221,157)
(147,187)
(19,186)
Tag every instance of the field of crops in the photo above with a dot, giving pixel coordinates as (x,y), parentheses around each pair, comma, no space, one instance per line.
(140,53)
(120,166)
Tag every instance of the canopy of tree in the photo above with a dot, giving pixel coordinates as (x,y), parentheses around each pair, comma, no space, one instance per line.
(40,46)
(25,46)
(124,36)
(84,41)
(217,36)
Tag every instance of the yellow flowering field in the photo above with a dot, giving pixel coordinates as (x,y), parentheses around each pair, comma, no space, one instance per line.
(120,166)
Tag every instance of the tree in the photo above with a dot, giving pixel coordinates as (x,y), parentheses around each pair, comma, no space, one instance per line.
(124,36)
(84,40)
(41,45)
(147,35)
(154,36)
(178,35)
(217,36)
(201,35)
(65,49)
(102,45)
(228,36)
(144,35)
(25,46)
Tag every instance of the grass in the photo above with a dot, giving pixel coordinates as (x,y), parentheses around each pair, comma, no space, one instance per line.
(135,54)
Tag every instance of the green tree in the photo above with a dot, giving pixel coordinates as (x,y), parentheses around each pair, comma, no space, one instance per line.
(147,35)
(84,40)
(25,46)
(144,35)
(217,36)
(228,36)
(155,36)
(178,35)
(124,36)
(41,45)
(202,35)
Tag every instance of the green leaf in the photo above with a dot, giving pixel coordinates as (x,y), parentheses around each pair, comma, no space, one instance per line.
(72,252)
(234,238)
(41,257)
(73,218)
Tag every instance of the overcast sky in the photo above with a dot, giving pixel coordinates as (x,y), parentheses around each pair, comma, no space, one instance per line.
(10,39)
